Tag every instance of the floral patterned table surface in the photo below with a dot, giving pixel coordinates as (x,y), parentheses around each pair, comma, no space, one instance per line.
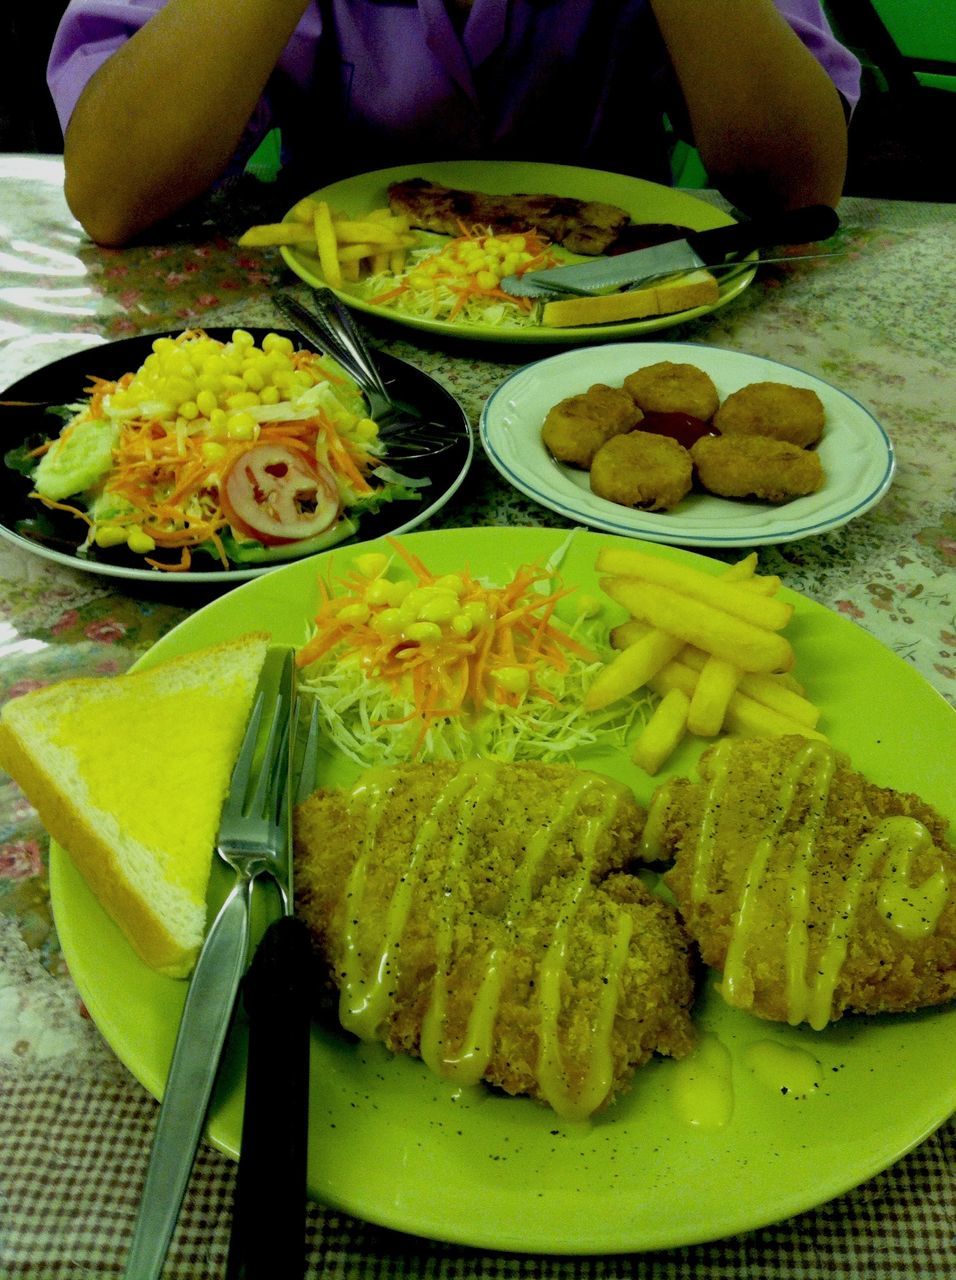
(879,322)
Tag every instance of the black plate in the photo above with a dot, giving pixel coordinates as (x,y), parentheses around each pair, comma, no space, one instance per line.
(56,535)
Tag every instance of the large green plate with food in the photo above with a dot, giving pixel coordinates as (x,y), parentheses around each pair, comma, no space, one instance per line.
(647,203)
(393,1144)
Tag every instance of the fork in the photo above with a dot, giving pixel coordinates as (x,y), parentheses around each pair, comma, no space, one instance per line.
(253,838)
(406,431)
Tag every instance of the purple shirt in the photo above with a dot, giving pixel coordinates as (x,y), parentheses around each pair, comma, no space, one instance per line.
(567,81)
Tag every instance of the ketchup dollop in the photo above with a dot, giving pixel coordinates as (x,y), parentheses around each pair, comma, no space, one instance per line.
(682,427)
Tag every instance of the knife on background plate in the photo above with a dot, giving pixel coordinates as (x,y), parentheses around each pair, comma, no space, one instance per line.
(719,247)
(267,1241)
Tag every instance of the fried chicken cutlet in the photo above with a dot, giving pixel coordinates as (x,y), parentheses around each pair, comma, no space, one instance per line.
(477,916)
(812,890)
(582,226)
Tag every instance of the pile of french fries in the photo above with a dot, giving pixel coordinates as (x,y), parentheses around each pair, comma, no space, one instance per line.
(346,247)
(710,647)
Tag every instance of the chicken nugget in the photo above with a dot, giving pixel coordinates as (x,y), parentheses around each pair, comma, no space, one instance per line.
(813,890)
(756,467)
(667,387)
(772,409)
(576,427)
(642,469)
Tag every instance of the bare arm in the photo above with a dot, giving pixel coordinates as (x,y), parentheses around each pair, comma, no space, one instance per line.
(767,119)
(159,121)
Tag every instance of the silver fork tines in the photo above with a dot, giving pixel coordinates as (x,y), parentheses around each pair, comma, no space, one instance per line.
(404,429)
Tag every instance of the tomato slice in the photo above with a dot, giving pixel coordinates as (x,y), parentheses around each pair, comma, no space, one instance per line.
(275,495)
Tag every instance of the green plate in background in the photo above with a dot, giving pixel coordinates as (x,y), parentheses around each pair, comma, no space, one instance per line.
(644,201)
(396,1146)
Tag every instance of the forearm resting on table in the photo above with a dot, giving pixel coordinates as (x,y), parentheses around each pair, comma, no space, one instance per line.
(766,118)
(158,122)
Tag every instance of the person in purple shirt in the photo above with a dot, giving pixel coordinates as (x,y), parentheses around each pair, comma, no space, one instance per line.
(158,98)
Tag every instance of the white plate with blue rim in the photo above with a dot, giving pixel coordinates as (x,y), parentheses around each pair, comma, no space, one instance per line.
(855,451)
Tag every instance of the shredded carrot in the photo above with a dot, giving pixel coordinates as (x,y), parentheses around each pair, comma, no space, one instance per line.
(447,671)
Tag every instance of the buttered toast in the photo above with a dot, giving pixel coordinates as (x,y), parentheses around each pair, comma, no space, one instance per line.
(129,775)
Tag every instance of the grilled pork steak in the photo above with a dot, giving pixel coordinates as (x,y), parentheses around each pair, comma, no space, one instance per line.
(582,226)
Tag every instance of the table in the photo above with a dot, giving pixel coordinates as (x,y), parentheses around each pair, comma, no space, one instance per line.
(75,1127)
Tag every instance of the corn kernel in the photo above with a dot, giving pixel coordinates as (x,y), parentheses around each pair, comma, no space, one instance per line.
(378,592)
(462,625)
(163,344)
(388,623)
(365,429)
(243,338)
(372,564)
(423,632)
(242,400)
(355,614)
(140,542)
(253,379)
(277,342)
(487,279)
(217,421)
(450,582)
(477,610)
(442,607)
(242,426)
(512,679)
(399,590)
(189,410)
(269,395)
(110,535)
(212,450)
(206,403)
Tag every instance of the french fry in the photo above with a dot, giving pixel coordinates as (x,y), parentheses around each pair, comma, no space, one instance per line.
(716,683)
(744,714)
(631,668)
(275,233)
(327,245)
(774,691)
(348,231)
(760,611)
(751,647)
(662,733)
(304,210)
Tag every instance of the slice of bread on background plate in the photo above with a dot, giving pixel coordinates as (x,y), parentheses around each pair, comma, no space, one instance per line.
(129,774)
(677,293)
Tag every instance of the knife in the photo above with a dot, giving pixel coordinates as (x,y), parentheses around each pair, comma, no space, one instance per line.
(267,1240)
(719,247)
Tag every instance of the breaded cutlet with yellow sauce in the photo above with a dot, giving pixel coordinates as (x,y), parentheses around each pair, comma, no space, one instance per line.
(477,915)
(813,891)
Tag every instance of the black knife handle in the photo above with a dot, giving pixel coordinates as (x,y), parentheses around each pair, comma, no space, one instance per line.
(796,226)
(268,1226)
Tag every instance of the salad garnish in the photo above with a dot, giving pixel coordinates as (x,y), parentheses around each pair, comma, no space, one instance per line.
(248,453)
(433,666)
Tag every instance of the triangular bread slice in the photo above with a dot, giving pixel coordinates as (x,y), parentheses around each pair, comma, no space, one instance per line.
(129,774)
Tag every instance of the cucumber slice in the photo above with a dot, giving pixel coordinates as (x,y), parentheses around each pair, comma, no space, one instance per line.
(77,460)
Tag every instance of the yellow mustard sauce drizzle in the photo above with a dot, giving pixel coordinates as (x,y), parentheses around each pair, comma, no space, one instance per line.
(748,913)
(358,1008)
(570,1104)
(788,1070)
(365,995)
(912,910)
(891,836)
(702,1091)
(798,932)
(467,1064)
(704,853)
